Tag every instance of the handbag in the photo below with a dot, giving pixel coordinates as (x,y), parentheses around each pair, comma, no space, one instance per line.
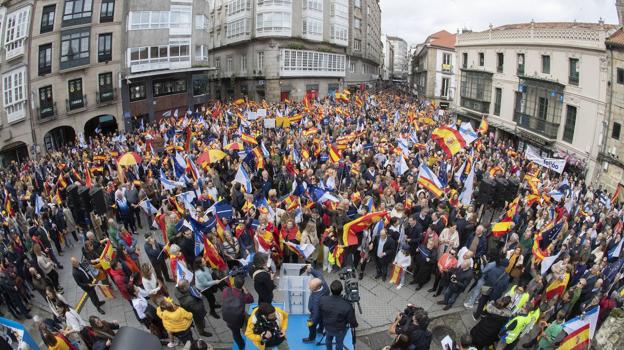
(486,290)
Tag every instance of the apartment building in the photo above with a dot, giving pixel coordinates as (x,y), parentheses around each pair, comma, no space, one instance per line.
(365,48)
(388,59)
(74,69)
(433,69)
(15,113)
(541,84)
(165,65)
(401,59)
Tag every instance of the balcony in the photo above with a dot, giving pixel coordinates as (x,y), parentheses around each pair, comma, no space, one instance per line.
(447,68)
(75,104)
(105,56)
(542,127)
(105,96)
(43,70)
(573,79)
(47,112)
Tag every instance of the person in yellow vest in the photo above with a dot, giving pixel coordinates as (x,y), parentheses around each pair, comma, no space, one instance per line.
(176,321)
(511,332)
(519,297)
(267,327)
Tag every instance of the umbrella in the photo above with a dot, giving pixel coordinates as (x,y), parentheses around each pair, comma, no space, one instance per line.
(234,146)
(210,156)
(129,158)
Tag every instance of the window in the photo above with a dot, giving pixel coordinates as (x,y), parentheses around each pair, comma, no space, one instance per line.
(200,22)
(236,6)
(357,23)
(15,32)
(352,67)
(13,84)
(149,20)
(546,64)
(260,61)
(568,130)
(201,52)
(475,90)
(47,19)
(77,12)
(105,44)
(542,108)
(357,3)
(465,60)
(179,50)
(267,22)
(615,133)
(169,87)
(107,11)
(238,28)
(137,91)
(313,5)
(200,84)
(243,63)
(312,26)
(498,96)
(339,33)
(444,92)
(218,62)
(228,64)
(76,98)
(620,76)
(313,62)
(180,19)
(74,49)
(357,44)
(573,78)
(481,59)
(46,102)
(45,59)
(446,58)
(520,70)
(105,87)
(500,60)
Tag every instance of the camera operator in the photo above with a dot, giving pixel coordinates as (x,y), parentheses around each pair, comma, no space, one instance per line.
(336,313)
(413,322)
(318,289)
(263,278)
(267,327)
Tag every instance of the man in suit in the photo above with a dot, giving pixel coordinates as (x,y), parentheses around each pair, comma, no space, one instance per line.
(318,288)
(336,313)
(384,248)
(85,282)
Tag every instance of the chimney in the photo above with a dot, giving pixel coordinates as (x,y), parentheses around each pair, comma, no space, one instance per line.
(619,6)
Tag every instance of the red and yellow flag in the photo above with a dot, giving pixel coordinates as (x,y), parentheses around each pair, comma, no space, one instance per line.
(107,256)
(483,127)
(577,340)
(616,195)
(395,276)
(212,256)
(249,139)
(334,154)
(352,228)
(557,287)
(503,227)
(449,140)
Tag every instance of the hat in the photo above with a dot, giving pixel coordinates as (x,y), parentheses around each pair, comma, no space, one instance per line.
(405,246)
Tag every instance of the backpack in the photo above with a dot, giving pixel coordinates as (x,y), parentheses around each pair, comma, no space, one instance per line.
(233,308)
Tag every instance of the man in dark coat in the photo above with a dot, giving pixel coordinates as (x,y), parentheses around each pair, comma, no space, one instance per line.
(461,277)
(337,313)
(191,300)
(85,282)
(318,288)
(384,248)
(157,257)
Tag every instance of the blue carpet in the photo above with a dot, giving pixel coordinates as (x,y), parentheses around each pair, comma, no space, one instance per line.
(296,331)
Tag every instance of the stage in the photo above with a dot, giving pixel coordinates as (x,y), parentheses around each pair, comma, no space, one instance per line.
(296,331)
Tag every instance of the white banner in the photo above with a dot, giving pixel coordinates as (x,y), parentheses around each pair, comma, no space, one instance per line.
(554,164)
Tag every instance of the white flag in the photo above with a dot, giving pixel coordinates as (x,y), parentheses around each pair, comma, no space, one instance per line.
(466,196)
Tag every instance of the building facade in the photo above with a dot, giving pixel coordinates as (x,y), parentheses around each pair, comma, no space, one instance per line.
(388,59)
(364,51)
(612,150)
(543,84)
(74,69)
(16,129)
(401,60)
(433,69)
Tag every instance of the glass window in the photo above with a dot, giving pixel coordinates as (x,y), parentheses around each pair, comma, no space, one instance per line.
(15,32)
(243,63)
(45,59)
(620,76)
(357,44)
(273,22)
(200,84)
(74,46)
(47,18)
(465,60)
(573,79)
(546,64)
(107,11)
(500,60)
(169,87)
(260,60)
(568,131)
(14,93)
(615,133)
(137,91)
(357,23)
(481,59)
(105,87)
(46,102)
(76,98)
(105,47)
(497,101)
(520,58)
(77,10)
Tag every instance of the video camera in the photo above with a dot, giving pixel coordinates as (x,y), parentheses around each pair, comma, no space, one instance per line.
(405,317)
(263,325)
(351,288)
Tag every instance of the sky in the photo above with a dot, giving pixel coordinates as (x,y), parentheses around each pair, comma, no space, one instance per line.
(414,20)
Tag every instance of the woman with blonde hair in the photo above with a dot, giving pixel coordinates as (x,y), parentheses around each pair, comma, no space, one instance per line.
(309,236)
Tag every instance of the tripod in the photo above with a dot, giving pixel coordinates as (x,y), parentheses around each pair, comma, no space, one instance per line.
(353,339)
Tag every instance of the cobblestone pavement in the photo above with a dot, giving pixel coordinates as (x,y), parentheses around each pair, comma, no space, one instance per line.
(380,304)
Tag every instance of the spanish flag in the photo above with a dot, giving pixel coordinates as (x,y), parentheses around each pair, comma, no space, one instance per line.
(88,181)
(306,102)
(533,183)
(310,131)
(496,170)
(336,256)
(259,158)
(449,140)
(358,101)
(616,195)
(557,287)
(577,340)
(239,101)
(531,199)
(502,228)
(212,256)
(249,139)
(538,253)
(352,228)
(334,154)
(395,276)
(429,180)
(483,127)
(61,181)
(107,256)
(513,208)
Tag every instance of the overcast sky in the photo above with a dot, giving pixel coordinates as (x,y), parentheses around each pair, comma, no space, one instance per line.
(414,20)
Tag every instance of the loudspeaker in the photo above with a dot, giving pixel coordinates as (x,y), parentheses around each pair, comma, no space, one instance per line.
(73,199)
(97,200)
(513,185)
(500,195)
(85,199)
(487,187)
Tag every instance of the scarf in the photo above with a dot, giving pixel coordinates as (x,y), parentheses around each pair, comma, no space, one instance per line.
(512,262)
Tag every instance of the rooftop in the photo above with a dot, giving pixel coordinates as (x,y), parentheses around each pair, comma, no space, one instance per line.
(555,25)
(442,39)
(617,38)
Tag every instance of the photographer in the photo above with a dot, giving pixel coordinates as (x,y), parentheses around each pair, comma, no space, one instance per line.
(318,289)
(460,278)
(413,322)
(267,327)
(263,278)
(336,314)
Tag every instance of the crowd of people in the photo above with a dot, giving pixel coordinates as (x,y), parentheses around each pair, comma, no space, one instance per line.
(233,190)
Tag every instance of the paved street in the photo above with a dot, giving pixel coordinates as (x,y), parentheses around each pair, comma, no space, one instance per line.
(380,304)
